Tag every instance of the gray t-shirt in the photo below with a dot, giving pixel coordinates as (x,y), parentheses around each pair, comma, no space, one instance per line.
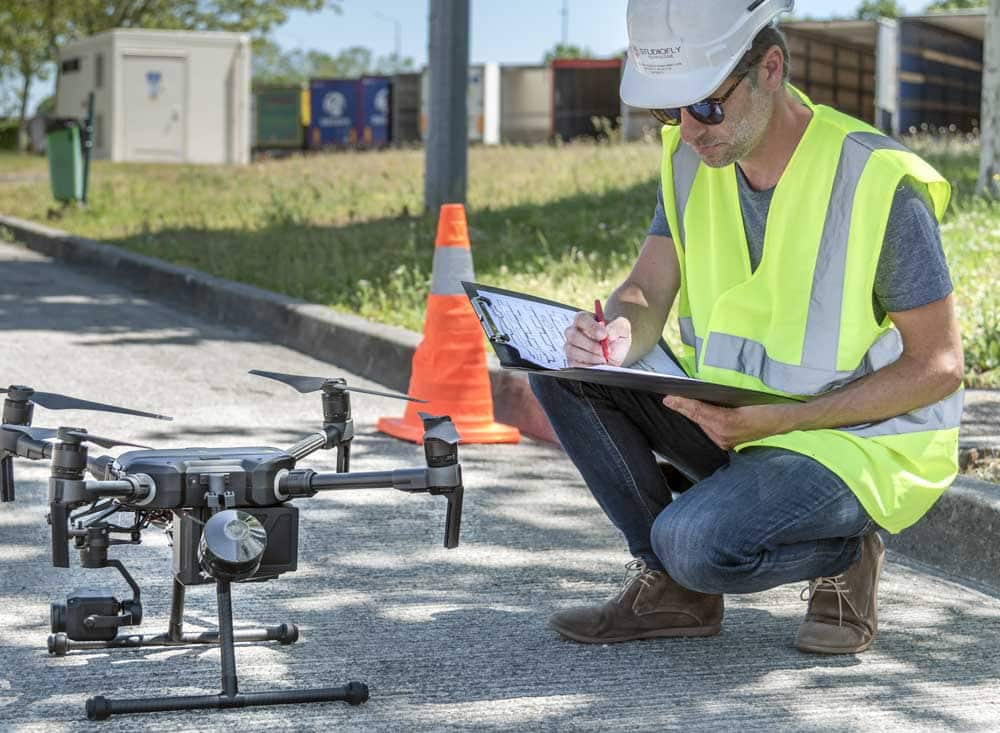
(912,270)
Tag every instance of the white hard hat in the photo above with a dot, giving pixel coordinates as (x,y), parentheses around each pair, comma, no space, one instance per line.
(680,51)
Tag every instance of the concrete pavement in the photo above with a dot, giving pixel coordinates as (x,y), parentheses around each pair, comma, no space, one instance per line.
(955,536)
(448,640)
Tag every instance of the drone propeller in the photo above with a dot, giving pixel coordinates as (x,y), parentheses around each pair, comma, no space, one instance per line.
(53,401)
(32,432)
(313,384)
(73,434)
(86,437)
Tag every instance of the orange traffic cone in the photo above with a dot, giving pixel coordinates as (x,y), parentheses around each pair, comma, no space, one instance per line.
(449,366)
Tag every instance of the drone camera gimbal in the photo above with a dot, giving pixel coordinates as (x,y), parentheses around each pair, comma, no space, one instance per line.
(229,514)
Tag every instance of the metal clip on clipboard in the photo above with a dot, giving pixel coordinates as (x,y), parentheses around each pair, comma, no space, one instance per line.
(481,305)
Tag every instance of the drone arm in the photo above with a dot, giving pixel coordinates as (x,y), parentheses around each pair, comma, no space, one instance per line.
(308,445)
(137,489)
(35,450)
(119,489)
(437,480)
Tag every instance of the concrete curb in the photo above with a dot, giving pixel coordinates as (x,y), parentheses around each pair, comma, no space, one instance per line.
(958,535)
(955,536)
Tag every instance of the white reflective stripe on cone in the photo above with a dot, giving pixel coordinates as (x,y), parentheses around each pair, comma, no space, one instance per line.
(452,265)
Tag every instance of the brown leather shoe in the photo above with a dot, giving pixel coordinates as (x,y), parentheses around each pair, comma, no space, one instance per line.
(843,610)
(649,605)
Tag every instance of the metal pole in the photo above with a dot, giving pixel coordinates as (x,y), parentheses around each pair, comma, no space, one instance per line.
(88,144)
(447,115)
(398,33)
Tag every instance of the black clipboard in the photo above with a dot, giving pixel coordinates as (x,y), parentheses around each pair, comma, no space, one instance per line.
(510,358)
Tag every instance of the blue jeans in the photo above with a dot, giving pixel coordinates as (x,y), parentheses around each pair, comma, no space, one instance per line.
(751,520)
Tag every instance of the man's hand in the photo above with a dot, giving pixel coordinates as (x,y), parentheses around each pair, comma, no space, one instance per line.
(728,427)
(583,341)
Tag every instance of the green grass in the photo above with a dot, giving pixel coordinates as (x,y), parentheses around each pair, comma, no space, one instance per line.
(971,236)
(20,164)
(344,229)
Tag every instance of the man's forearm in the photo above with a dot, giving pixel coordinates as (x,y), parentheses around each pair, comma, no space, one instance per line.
(905,385)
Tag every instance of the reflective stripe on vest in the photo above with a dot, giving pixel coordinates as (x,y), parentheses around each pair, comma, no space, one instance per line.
(685,166)
(688,336)
(941,415)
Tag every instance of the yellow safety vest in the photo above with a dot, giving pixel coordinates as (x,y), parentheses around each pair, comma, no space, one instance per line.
(802,323)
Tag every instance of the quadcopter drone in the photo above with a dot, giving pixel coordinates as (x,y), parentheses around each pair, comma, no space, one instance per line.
(228,513)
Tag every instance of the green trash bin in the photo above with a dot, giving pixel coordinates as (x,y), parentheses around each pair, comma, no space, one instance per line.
(65,159)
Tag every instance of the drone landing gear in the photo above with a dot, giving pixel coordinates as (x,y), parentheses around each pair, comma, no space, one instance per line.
(60,644)
(102,708)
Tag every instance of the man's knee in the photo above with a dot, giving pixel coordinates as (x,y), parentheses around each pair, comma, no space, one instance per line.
(691,553)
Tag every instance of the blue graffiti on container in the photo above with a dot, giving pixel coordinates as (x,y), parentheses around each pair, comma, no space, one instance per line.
(375,105)
(334,112)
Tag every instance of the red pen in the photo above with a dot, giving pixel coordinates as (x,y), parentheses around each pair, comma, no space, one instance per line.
(599,317)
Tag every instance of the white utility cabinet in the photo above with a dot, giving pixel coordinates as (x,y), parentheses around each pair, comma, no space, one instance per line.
(161,96)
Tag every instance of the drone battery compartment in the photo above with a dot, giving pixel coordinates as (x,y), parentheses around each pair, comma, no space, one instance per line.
(182,476)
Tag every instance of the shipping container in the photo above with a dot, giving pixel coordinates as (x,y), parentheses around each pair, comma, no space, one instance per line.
(161,96)
(900,75)
(491,104)
(834,63)
(525,104)
(476,103)
(373,124)
(278,115)
(941,71)
(253,118)
(585,91)
(334,112)
(405,101)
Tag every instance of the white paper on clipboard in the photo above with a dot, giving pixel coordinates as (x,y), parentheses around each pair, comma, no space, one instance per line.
(537,330)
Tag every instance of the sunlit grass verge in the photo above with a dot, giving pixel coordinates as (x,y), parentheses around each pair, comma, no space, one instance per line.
(345,230)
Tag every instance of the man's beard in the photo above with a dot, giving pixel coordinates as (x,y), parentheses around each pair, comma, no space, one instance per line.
(745,135)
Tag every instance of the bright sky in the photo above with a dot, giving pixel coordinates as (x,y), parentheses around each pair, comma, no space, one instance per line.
(507,31)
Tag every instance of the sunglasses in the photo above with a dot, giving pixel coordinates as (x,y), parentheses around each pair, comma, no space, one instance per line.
(707,112)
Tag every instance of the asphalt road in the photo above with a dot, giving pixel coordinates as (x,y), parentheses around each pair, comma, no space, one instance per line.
(447,639)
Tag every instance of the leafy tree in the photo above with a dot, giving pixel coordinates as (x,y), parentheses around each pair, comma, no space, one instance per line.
(874,9)
(943,6)
(86,17)
(47,106)
(567,51)
(349,62)
(270,65)
(273,66)
(24,54)
(393,63)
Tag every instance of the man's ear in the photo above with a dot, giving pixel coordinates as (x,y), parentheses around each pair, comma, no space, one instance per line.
(773,68)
